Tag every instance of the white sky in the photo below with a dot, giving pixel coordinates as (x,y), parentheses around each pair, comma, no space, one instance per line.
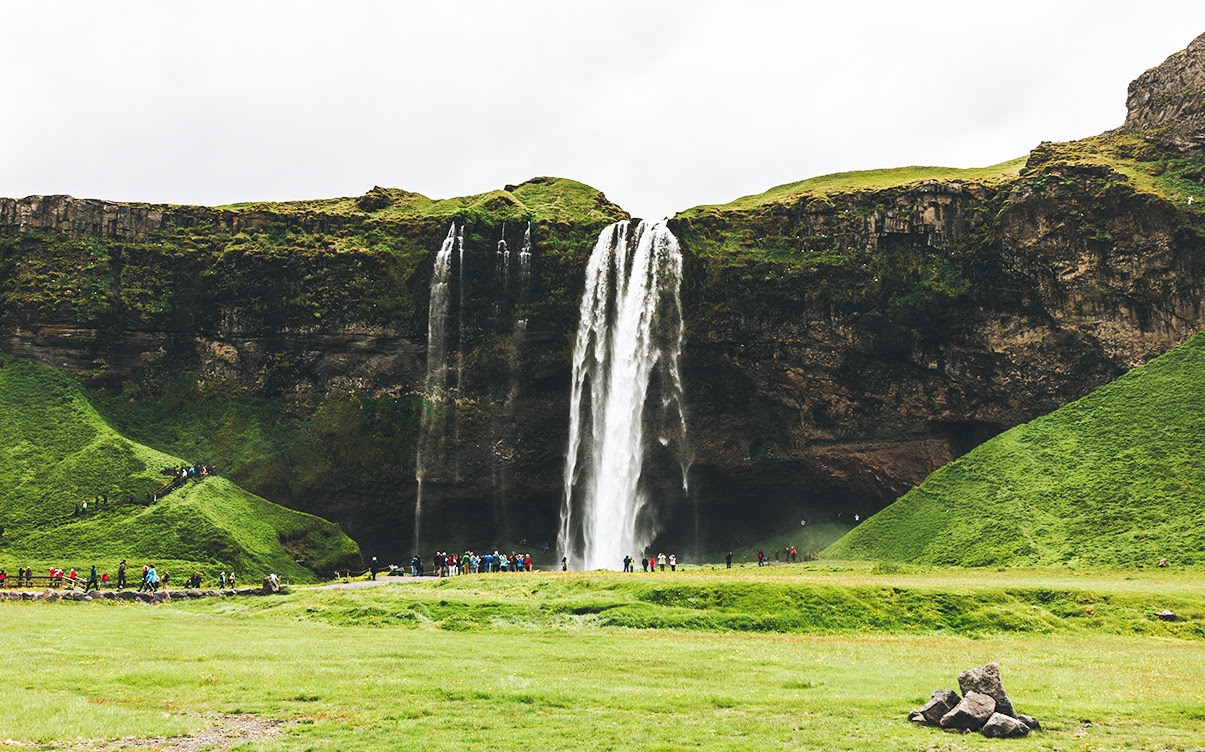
(662,105)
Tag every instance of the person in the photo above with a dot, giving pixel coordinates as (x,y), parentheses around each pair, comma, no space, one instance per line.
(728,560)
(372,569)
(145,582)
(644,563)
(673,562)
(564,563)
(104,580)
(230,579)
(3,578)
(222,581)
(661,560)
(794,555)
(152,578)
(93,581)
(121,575)
(761,558)
(627,563)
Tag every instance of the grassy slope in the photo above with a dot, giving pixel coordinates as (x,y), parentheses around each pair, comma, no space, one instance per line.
(1117,477)
(861,181)
(58,452)
(557,199)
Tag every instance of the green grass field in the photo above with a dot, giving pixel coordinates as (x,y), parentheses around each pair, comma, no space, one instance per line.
(59,453)
(537,662)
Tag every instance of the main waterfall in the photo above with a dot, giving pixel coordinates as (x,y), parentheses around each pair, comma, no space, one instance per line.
(630,331)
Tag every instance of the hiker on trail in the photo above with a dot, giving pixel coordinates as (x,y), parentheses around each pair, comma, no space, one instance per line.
(152,578)
(104,580)
(761,558)
(661,560)
(673,562)
(93,580)
(372,569)
(146,585)
(121,575)
(728,560)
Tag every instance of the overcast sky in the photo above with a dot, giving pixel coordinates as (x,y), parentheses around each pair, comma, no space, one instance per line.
(661,105)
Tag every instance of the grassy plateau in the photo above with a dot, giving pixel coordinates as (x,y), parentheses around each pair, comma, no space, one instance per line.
(789,657)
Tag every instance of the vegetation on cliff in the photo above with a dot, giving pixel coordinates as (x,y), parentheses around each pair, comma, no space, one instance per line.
(1114,478)
(60,454)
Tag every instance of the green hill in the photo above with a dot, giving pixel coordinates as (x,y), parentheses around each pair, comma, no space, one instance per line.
(1116,478)
(56,453)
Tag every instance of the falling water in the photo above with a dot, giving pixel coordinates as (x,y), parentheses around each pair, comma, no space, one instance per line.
(433,421)
(525,267)
(630,326)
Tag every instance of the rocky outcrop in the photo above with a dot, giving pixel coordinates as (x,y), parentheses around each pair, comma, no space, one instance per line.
(984,707)
(1167,103)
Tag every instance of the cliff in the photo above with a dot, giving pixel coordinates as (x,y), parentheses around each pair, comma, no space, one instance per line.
(845,335)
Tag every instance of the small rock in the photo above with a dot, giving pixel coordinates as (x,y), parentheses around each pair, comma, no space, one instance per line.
(942,702)
(1030,721)
(986,679)
(1166,615)
(971,713)
(916,717)
(1000,726)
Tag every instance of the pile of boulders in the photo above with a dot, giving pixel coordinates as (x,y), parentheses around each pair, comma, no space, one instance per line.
(983,707)
(159,596)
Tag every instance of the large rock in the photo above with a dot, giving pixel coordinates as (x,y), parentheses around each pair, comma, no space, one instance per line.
(1001,726)
(986,680)
(971,713)
(942,702)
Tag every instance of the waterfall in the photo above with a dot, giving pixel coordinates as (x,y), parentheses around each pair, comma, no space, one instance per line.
(433,421)
(525,267)
(630,328)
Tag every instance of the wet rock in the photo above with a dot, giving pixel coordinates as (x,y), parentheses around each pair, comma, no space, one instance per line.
(1000,726)
(971,713)
(986,680)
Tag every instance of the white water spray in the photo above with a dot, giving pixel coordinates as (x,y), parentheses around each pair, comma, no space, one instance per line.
(630,326)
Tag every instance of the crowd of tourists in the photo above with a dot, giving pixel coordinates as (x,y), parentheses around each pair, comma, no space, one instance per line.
(444,564)
(151,579)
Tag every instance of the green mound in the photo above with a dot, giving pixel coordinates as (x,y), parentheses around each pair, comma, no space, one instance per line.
(543,198)
(58,453)
(867,180)
(1114,478)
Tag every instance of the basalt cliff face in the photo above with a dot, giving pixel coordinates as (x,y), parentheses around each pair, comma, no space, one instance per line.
(844,337)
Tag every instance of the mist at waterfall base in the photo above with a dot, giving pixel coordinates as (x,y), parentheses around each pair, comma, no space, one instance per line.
(626,381)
